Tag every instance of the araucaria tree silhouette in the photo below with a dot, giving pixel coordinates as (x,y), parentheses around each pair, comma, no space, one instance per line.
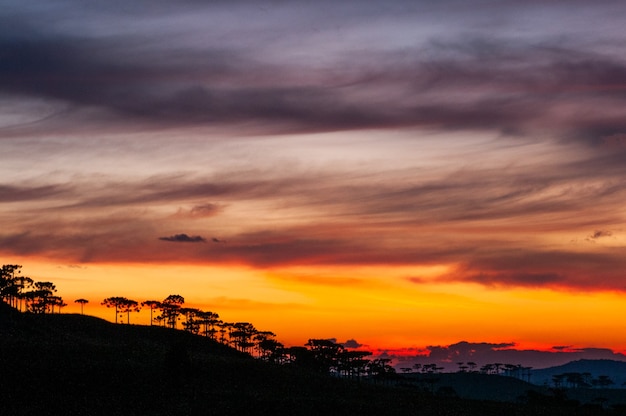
(39,299)
(22,283)
(122,305)
(242,335)
(170,308)
(9,289)
(56,301)
(82,303)
(326,354)
(318,354)
(208,320)
(152,304)
(128,307)
(192,323)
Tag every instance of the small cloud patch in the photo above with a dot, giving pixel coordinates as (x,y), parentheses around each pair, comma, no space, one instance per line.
(206,210)
(600,233)
(184,238)
(614,141)
(416,279)
(562,347)
(351,343)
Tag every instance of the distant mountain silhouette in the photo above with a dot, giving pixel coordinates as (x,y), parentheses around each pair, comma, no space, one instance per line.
(615,370)
(477,386)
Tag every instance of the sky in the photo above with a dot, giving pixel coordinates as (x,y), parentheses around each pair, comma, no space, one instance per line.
(409,176)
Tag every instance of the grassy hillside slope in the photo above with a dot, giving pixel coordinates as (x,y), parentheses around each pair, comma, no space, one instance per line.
(80,365)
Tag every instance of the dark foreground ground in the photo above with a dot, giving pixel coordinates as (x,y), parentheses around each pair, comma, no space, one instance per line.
(80,365)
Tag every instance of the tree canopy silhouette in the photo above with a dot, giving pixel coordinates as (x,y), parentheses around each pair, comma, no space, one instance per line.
(122,306)
(82,303)
(170,309)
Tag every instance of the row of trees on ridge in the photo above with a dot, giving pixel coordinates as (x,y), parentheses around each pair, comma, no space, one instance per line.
(318,354)
(326,356)
(23,293)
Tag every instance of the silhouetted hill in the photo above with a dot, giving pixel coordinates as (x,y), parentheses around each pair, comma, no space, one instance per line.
(475,386)
(81,365)
(616,370)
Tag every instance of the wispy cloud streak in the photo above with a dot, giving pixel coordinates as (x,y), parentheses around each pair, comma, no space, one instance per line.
(512,85)
(536,202)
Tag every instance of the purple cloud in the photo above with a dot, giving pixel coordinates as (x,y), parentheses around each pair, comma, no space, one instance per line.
(184,238)
(505,353)
(600,233)
(351,343)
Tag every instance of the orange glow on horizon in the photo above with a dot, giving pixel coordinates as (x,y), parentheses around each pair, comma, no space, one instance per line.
(379,308)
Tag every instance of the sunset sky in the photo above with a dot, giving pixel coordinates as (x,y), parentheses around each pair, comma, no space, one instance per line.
(404,174)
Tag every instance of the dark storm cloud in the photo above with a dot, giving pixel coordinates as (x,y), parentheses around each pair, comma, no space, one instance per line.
(184,238)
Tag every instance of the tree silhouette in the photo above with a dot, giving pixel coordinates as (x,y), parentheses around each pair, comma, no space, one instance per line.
(225,328)
(271,351)
(380,369)
(526,373)
(128,307)
(262,337)
(513,370)
(326,353)
(40,298)
(603,381)
(208,320)
(191,324)
(557,379)
(242,335)
(82,303)
(8,288)
(152,304)
(353,364)
(497,367)
(56,301)
(22,283)
(170,308)
(488,369)
(121,305)
(302,357)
